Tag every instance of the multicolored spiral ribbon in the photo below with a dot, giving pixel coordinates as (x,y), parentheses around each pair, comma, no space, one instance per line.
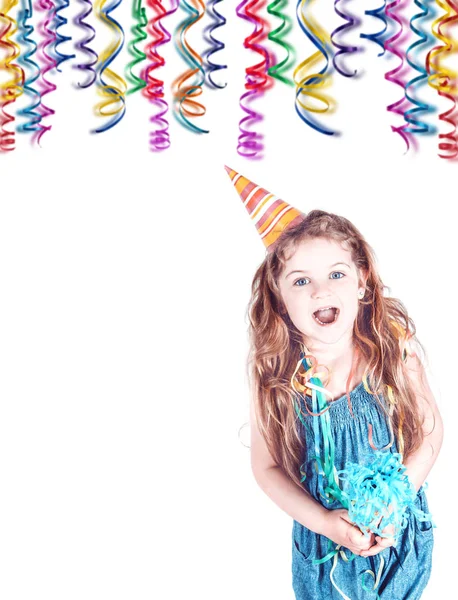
(61,21)
(279,70)
(393,45)
(138,56)
(217,20)
(48,63)
(154,90)
(309,85)
(110,85)
(31,69)
(83,45)
(443,78)
(186,106)
(379,36)
(257,81)
(416,125)
(343,49)
(13,88)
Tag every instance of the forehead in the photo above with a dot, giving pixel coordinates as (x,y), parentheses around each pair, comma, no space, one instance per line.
(317,254)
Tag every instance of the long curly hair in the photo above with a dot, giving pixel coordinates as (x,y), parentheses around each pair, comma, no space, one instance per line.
(276,344)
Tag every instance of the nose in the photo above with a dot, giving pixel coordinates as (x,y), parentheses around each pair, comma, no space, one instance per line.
(320,290)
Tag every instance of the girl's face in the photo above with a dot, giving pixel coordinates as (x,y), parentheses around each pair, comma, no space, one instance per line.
(321,275)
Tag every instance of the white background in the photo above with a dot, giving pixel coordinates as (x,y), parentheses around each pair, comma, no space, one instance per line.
(125,278)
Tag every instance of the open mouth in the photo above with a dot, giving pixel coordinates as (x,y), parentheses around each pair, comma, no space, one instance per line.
(326,316)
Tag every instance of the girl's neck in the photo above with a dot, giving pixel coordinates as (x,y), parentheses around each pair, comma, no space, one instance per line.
(343,362)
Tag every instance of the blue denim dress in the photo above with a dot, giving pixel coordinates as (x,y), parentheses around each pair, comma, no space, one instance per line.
(407,566)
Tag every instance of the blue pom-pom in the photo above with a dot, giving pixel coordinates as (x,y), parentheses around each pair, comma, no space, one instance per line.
(379,493)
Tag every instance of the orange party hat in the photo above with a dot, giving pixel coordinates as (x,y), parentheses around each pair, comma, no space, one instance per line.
(270,215)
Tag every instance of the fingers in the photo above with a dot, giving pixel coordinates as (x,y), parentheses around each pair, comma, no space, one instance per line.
(381,544)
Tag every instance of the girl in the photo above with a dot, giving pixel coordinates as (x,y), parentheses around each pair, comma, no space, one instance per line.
(318,305)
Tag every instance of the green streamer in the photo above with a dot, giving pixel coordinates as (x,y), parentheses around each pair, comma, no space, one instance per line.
(139,15)
(277,36)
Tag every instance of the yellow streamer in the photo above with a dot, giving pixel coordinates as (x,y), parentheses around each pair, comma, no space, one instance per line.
(115,92)
(440,80)
(309,83)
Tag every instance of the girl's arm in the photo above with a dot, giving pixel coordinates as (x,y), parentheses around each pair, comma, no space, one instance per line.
(420,463)
(297,502)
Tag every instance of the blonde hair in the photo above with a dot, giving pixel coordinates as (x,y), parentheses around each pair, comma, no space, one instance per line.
(275,343)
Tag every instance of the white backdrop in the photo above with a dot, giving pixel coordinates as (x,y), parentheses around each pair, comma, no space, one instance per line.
(125,279)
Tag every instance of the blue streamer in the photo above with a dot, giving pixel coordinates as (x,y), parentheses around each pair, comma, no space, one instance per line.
(378,37)
(101,67)
(217,20)
(83,45)
(313,79)
(182,28)
(25,60)
(59,22)
(416,125)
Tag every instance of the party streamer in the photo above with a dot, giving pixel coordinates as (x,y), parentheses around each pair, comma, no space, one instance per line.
(154,90)
(308,85)
(376,492)
(49,63)
(216,20)
(60,21)
(278,36)
(141,21)
(32,116)
(114,104)
(186,106)
(411,115)
(13,88)
(82,45)
(394,75)
(444,79)
(342,48)
(378,37)
(257,81)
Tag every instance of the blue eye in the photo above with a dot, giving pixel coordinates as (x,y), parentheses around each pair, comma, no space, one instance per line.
(337,273)
(298,280)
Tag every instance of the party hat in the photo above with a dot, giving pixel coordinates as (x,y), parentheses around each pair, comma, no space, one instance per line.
(270,215)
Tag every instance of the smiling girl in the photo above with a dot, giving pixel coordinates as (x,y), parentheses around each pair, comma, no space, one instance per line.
(318,299)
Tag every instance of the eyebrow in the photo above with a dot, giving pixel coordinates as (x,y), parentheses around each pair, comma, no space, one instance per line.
(305,271)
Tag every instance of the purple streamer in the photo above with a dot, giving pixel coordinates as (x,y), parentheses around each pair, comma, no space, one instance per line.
(89,65)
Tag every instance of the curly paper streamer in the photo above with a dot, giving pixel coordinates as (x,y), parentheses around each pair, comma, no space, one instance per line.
(114,104)
(32,116)
(257,81)
(82,45)
(308,86)
(139,15)
(444,79)
(186,107)
(378,37)
(49,63)
(379,494)
(392,76)
(13,88)
(376,578)
(154,90)
(217,20)
(343,49)
(278,36)
(415,124)
(60,21)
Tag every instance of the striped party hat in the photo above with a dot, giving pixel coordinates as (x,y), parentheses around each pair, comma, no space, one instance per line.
(270,214)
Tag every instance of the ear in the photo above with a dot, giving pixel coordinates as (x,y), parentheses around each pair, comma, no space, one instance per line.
(363,276)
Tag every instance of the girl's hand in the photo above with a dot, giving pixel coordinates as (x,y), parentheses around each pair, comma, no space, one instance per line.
(339,529)
(381,543)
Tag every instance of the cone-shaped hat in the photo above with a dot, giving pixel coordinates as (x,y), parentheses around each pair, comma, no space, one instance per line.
(270,215)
